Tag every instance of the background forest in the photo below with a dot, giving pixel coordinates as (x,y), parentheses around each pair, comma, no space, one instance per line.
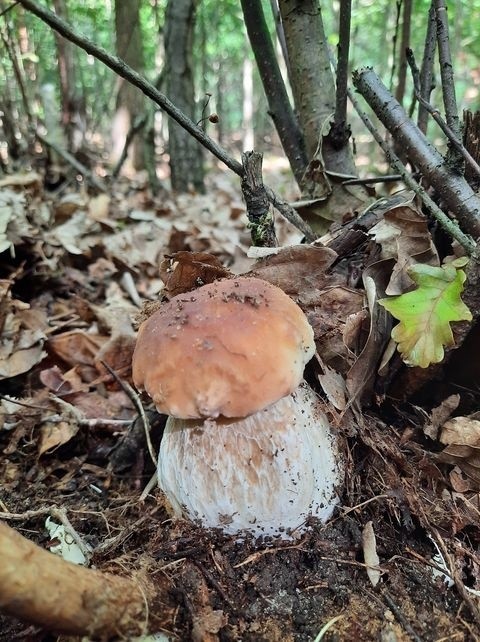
(45,77)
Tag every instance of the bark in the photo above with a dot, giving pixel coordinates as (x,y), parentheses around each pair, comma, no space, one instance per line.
(404,45)
(186,164)
(313,83)
(451,187)
(43,589)
(278,102)
(260,217)
(427,82)
(130,101)
(71,102)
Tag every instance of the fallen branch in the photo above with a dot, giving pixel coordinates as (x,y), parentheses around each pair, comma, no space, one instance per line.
(41,588)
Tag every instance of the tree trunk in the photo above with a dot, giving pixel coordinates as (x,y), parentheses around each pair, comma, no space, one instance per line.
(130,100)
(73,113)
(186,164)
(312,78)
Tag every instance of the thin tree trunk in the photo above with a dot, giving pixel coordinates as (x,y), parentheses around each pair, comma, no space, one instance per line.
(404,44)
(313,83)
(71,101)
(186,164)
(278,101)
(130,100)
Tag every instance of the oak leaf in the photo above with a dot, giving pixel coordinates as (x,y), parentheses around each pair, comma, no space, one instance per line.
(425,314)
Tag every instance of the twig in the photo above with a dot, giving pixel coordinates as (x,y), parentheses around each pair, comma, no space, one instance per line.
(404,43)
(400,616)
(426,73)
(73,162)
(56,513)
(135,399)
(290,214)
(453,188)
(340,132)
(390,178)
(454,574)
(457,143)
(9,8)
(446,68)
(137,125)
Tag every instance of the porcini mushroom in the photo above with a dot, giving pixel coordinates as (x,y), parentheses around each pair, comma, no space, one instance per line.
(247,446)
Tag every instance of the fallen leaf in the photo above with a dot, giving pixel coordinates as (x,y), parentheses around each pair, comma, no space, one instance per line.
(426,313)
(440,414)
(461,435)
(184,271)
(55,434)
(370,554)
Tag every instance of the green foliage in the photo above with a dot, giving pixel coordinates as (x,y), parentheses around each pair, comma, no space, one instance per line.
(426,313)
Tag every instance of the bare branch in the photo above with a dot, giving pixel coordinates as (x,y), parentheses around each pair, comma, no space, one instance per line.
(278,102)
(453,188)
(446,69)
(457,144)
(426,73)
(340,131)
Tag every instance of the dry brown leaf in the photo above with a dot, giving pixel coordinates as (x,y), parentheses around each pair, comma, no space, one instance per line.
(462,438)
(333,385)
(370,554)
(30,179)
(22,335)
(327,318)
(299,270)
(440,414)
(53,434)
(76,347)
(361,376)
(184,271)
(14,224)
(69,204)
(404,235)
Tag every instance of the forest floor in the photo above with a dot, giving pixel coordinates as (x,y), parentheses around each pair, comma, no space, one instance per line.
(74,270)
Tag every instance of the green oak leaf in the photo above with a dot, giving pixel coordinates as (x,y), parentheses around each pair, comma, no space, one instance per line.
(425,314)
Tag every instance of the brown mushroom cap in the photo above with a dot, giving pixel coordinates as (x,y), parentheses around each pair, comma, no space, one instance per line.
(229,348)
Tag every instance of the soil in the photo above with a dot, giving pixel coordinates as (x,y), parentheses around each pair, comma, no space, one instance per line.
(217,588)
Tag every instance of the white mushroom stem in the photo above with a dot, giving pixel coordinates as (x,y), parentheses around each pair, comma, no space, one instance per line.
(264,474)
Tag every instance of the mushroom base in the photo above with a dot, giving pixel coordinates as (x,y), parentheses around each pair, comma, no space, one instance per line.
(265,474)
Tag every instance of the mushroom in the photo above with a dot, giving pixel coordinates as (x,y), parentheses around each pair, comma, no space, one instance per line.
(247,446)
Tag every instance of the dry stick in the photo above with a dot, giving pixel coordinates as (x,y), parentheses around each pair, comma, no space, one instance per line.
(73,162)
(44,589)
(137,125)
(123,70)
(457,144)
(426,72)
(404,43)
(260,219)
(452,187)
(340,131)
(279,105)
(446,68)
